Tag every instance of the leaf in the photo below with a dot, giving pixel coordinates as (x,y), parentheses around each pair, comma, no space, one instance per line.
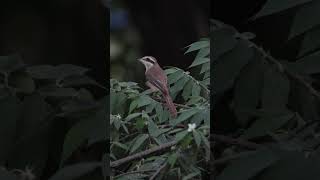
(196,89)
(174,77)
(132,116)
(230,65)
(307,65)
(179,136)
(75,171)
(197,137)
(10,111)
(183,116)
(205,67)
(276,6)
(187,90)
(170,71)
(153,129)
(294,166)
(137,144)
(172,159)
(143,101)
(204,52)
(248,89)
(275,91)
(80,132)
(223,41)
(265,125)
(123,146)
(305,19)
(197,45)
(248,167)
(199,61)
(311,41)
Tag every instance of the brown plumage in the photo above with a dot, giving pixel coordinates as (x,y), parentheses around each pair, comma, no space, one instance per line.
(157,78)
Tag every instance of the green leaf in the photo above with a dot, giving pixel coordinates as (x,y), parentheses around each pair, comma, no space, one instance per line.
(276,91)
(187,90)
(248,167)
(197,137)
(170,71)
(172,159)
(248,89)
(223,41)
(205,67)
(143,101)
(174,77)
(183,116)
(276,6)
(197,45)
(204,52)
(178,86)
(265,125)
(307,65)
(153,129)
(132,116)
(199,61)
(311,41)
(123,146)
(179,136)
(137,144)
(305,19)
(80,132)
(230,65)
(196,89)
(72,172)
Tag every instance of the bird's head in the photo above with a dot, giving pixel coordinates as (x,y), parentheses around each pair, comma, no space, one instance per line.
(148,61)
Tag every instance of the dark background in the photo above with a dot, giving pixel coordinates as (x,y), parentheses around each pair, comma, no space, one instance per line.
(57,32)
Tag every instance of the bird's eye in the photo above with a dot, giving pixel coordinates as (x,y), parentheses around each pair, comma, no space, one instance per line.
(150,60)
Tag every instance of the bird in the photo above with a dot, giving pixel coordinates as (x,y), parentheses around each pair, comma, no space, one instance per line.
(157,80)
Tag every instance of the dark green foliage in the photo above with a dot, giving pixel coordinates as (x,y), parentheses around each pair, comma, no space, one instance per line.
(275,102)
(33,100)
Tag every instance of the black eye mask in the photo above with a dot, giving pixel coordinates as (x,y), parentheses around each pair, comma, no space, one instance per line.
(150,60)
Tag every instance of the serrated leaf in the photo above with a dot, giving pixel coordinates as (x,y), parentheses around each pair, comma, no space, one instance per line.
(248,167)
(197,45)
(137,144)
(230,65)
(183,116)
(306,18)
(276,6)
(311,41)
(199,61)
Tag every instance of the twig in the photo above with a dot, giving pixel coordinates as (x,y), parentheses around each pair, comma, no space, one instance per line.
(158,171)
(238,141)
(142,154)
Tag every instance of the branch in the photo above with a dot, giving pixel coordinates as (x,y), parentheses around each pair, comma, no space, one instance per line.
(143,154)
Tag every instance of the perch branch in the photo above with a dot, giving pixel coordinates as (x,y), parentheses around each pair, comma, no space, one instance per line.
(142,154)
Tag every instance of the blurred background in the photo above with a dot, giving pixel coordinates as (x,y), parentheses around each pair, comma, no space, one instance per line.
(157,28)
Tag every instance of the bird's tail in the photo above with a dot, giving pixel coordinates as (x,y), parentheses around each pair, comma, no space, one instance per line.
(171,106)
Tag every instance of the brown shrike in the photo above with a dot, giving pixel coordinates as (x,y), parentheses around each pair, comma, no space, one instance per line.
(157,80)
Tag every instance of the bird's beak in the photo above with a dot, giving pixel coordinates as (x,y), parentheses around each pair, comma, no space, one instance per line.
(141,60)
